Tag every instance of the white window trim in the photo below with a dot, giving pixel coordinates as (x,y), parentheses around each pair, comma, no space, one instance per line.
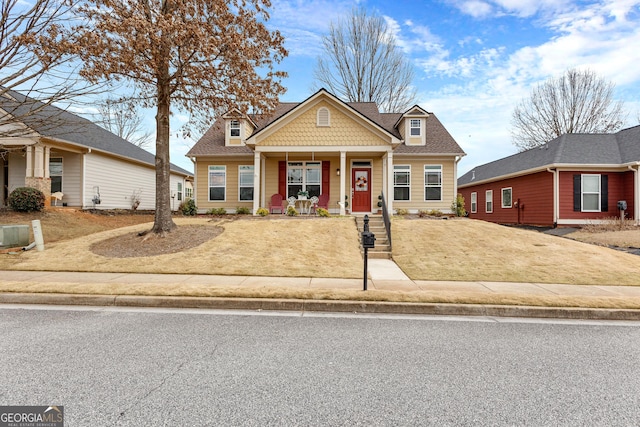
(502,197)
(411,127)
(474,202)
(320,121)
(232,128)
(582,192)
(179,191)
(209,186)
(61,175)
(305,166)
(424,193)
(408,185)
(488,197)
(240,171)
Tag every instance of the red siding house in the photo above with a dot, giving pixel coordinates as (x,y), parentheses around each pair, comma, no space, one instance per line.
(575,179)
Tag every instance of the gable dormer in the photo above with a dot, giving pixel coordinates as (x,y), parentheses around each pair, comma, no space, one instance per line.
(413,126)
(237,128)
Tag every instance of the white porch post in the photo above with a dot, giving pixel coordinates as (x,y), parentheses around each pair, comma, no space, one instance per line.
(389,195)
(47,156)
(256,182)
(29,170)
(343,174)
(38,167)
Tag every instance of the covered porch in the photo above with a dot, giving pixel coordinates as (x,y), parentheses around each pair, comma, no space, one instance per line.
(352,178)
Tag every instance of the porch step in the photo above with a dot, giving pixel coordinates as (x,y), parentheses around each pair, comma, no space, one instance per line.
(382,249)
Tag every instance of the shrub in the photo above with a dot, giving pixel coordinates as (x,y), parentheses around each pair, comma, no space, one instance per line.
(26,199)
(188,207)
(262,212)
(322,212)
(243,210)
(401,211)
(291,211)
(217,211)
(457,206)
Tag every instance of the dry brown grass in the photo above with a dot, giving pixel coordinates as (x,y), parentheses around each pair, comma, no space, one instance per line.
(325,247)
(457,250)
(463,250)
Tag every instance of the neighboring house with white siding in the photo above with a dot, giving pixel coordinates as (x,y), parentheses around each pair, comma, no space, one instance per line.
(58,152)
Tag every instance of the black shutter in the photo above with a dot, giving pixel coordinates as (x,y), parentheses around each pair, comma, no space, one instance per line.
(577,193)
(604,193)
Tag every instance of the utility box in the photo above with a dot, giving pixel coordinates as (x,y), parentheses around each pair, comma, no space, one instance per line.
(12,236)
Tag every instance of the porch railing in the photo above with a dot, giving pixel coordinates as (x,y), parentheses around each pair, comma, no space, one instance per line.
(385,219)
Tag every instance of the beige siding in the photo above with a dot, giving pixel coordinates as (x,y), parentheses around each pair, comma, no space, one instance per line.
(344,131)
(71,177)
(17,167)
(417,201)
(117,182)
(231,188)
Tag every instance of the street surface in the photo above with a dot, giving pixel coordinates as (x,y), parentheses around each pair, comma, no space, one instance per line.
(155,367)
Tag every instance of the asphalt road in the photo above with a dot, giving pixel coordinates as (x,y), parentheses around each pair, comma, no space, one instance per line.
(146,367)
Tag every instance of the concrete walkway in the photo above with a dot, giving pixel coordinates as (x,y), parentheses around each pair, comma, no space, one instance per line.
(383,275)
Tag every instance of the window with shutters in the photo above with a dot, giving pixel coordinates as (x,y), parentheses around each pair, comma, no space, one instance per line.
(324,118)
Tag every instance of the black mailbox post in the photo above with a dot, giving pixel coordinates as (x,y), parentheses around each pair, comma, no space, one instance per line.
(368,241)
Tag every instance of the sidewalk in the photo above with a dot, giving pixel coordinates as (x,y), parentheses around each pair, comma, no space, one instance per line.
(383,275)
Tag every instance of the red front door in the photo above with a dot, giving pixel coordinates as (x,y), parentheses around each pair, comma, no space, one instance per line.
(361,190)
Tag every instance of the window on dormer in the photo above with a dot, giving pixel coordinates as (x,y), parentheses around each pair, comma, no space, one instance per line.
(234,128)
(323,118)
(415,127)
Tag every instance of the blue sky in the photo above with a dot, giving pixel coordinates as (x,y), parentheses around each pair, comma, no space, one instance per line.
(476,59)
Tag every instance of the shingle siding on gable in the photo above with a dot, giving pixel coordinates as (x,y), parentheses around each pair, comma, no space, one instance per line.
(344,131)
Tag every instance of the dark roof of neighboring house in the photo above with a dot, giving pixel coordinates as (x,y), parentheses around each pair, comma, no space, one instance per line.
(53,122)
(580,150)
(439,141)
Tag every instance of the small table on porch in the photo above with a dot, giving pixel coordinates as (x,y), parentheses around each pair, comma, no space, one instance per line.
(305,205)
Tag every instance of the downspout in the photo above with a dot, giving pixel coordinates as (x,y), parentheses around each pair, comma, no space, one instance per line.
(195,180)
(636,193)
(555,196)
(455,177)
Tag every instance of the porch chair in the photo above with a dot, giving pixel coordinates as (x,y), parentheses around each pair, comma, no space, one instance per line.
(291,201)
(313,204)
(276,204)
(323,201)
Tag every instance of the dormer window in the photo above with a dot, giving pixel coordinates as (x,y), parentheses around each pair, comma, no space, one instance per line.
(415,127)
(234,128)
(323,117)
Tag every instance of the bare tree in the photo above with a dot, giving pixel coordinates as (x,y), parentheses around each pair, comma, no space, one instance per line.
(362,63)
(27,65)
(121,118)
(576,102)
(196,56)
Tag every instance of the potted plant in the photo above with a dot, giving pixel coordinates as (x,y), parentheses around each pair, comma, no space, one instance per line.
(303,195)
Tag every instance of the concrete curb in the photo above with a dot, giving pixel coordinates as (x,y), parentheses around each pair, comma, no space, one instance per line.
(378,307)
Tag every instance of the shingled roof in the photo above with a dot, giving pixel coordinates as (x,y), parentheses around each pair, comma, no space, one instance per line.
(567,150)
(439,141)
(52,122)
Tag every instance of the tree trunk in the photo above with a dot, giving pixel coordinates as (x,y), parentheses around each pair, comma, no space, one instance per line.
(163,223)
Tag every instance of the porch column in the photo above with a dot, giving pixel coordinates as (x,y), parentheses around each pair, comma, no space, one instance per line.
(343,174)
(256,182)
(47,156)
(389,191)
(38,167)
(29,171)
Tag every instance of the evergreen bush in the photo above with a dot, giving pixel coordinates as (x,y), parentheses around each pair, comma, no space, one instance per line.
(26,199)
